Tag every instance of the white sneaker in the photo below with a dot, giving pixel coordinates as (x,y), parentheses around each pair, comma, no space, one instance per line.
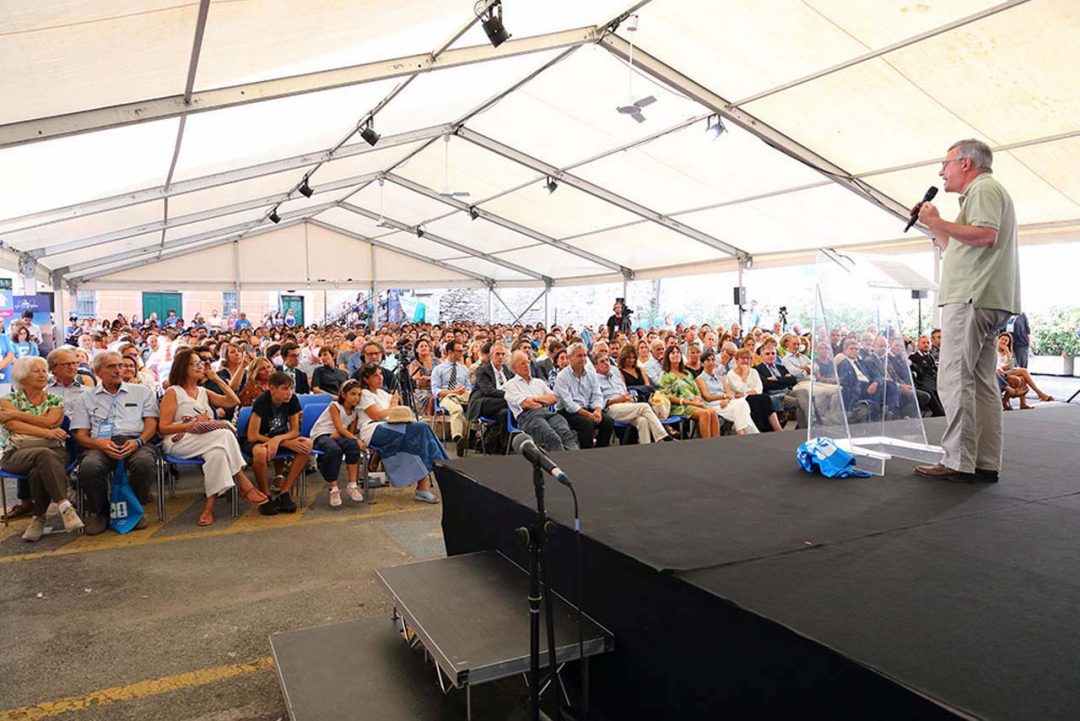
(35,530)
(355,494)
(72,522)
(335,497)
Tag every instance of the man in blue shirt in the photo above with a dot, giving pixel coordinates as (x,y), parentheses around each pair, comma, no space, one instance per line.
(113,422)
(580,402)
(450,386)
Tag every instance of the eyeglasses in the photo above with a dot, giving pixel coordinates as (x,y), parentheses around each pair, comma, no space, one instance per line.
(196,363)
(950,160)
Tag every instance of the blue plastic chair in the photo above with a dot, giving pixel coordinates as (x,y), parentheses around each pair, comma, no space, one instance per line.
(484,422)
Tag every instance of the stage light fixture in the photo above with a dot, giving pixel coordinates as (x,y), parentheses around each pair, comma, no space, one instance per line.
(305,189)
(714,127)
(550,185)
(419,232)
(491,20)
(369,135)
(473,212)
(274,217)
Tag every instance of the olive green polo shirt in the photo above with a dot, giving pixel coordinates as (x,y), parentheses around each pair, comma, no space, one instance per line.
(984,277)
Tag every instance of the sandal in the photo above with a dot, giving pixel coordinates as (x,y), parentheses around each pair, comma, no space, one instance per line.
(255,497)
(18,512)
(206,517)
(1047,398)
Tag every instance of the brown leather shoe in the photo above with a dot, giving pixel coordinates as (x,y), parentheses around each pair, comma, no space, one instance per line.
(986,475)
(944,473)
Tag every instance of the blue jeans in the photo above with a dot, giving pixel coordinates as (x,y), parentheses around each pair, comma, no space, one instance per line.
(334,450)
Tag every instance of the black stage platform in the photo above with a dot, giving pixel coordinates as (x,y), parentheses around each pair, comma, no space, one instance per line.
(738,586)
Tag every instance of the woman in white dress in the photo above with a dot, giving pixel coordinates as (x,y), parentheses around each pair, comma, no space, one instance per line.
(743,381)
(186,403)
(727,406)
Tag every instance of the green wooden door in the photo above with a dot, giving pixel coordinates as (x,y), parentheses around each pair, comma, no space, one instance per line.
(296,303)
(162,303)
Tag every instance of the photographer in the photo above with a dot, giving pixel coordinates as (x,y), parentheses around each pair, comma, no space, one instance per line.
(620,320)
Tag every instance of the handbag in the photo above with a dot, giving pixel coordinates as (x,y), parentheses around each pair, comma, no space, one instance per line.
(125,510)
(23,441)
(200,427)
(661,405)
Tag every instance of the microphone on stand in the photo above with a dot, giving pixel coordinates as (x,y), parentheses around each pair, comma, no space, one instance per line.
(930,193)
(526,446)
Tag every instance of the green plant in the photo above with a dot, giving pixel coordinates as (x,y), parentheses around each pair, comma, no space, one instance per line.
(1057,332)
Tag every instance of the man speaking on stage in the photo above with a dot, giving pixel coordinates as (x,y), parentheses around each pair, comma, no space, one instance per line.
(980,290)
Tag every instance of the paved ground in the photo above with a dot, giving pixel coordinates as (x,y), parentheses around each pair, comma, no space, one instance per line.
(172,622)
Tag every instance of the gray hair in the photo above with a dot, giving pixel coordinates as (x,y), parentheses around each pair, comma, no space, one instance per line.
(573,347)
(730,347)
(22,368)
(54,355)
(100,360)
(982,158)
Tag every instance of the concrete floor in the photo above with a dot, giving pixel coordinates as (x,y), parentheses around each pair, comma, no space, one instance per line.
(172,622)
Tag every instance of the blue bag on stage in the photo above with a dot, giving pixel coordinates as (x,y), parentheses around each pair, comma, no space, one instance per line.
(821,455)
(125,510)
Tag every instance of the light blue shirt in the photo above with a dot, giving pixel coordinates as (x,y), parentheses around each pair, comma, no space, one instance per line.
(440,377)
(125,410)
(653,369)
(576,392)
(71,394)
(611,385)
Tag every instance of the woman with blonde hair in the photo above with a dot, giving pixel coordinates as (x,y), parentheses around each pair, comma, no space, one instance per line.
(258,381)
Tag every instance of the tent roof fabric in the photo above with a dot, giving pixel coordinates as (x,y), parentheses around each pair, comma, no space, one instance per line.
(162,164)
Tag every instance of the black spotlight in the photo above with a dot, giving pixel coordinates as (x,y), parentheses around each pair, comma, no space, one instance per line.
(305,189)
(550,185)
(473,212)
(419,232)
(274,217)
(369,135)
(491,19)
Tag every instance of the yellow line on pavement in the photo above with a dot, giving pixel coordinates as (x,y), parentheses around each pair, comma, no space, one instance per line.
(109,541)
(135,691)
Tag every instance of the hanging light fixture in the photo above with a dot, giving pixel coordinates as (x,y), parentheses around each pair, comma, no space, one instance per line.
(714,127)
(491,20)
(368,133)
(305,189)
(550,185)
(274,217)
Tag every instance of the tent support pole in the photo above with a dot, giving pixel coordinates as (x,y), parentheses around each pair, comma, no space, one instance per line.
(489,306)
(374,294)
(547,316)
(740,285)
(522,313)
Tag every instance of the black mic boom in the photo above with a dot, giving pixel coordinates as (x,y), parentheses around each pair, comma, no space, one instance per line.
(526,446)
(930,193)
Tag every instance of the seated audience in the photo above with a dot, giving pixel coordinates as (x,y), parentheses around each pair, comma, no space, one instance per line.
(633,375)
(407,450)
(258,381)
(450,386)
(580,402)
(335,436)
(782,387)
(114,422)
(654,366)
(924,374)
(274,427)
(624,407)
(686,399)
(712,389)
(327,377)
(34,445)
(420,370)
(1005,368)
(290,358)
(743,381)
(185,406)
(529,400)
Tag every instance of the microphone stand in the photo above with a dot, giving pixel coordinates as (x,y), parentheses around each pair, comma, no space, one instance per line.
(538,563)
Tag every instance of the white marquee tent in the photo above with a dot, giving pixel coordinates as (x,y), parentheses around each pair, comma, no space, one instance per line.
(146,144)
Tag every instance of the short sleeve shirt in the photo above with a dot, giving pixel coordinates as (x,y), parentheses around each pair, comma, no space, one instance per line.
(274,420)
(984,277)
(22,404)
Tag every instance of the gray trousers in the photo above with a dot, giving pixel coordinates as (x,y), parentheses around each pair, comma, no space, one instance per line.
(95,468)
(550,430)
(968,387)
(44,468)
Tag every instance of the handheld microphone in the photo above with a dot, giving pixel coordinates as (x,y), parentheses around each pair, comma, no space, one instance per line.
(930,193)
(526,446)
